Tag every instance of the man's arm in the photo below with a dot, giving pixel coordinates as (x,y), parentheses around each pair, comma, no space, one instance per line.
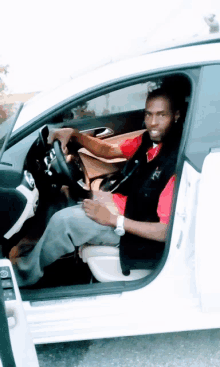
(152,231)
(96,146)
(100,213)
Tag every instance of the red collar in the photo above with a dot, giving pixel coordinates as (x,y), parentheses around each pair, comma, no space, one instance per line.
(153,152)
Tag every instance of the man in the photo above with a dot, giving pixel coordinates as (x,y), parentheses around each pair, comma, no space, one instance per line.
(144,198)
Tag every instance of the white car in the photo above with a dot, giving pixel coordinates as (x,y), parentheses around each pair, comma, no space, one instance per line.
(98,301)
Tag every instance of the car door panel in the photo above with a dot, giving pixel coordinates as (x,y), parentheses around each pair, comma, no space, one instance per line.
(97,166)
(207,247)
(6,353)
(99,132)
(120,123)
(118,139)
(23,350)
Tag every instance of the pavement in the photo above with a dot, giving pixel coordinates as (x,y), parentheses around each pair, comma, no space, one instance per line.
(191,349)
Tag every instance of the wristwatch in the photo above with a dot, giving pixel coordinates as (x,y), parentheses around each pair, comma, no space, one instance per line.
(119,230)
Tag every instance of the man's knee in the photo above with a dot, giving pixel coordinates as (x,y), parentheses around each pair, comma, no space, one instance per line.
(64,216)
(56,220)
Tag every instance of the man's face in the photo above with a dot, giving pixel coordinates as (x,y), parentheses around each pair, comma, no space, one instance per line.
(159,117)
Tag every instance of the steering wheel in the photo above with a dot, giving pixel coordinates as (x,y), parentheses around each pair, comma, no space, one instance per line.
(72,173)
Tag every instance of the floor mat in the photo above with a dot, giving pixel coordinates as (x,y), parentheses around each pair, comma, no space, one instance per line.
(65,271)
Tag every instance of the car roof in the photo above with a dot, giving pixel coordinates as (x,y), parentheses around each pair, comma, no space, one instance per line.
(172,57)
(185,42)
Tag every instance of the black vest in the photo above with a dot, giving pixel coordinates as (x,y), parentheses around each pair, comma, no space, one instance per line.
(143,189)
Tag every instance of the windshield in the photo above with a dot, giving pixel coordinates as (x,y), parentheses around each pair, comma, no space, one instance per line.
(7,125)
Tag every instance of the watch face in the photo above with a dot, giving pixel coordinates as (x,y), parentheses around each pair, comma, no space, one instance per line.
(120,231)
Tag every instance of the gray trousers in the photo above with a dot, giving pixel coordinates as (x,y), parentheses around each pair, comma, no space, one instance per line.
(66,229)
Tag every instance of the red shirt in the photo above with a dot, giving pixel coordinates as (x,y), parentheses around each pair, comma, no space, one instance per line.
(128,148)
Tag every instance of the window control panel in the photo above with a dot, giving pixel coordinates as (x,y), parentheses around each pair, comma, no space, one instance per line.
(7,284)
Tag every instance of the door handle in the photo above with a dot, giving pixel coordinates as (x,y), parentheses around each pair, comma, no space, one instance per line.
(99,132)
(106,132)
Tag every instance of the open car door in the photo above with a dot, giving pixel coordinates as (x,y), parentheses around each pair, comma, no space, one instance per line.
(207,236)
(16,345)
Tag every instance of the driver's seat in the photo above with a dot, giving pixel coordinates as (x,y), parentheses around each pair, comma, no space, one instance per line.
(104,264)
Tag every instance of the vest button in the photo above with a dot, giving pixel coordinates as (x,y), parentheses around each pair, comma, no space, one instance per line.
(136,161)
(145,194)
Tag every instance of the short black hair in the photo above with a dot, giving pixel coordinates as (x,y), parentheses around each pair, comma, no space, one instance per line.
(176,102)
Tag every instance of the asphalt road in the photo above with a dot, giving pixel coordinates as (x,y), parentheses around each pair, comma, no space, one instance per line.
(191,349)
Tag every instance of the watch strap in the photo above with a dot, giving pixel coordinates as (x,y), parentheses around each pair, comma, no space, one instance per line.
(120,222)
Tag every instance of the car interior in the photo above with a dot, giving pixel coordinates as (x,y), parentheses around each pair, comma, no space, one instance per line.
(63,181)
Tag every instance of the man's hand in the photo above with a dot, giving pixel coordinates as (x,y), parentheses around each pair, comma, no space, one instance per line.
(106,198)
(99,213)
(64,136)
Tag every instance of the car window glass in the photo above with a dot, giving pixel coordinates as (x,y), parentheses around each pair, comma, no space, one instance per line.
(205,129)
(123,100)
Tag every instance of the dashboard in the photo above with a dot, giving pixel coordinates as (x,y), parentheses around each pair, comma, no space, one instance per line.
(30,172)
(19,194)
(18,200)
(25,201)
